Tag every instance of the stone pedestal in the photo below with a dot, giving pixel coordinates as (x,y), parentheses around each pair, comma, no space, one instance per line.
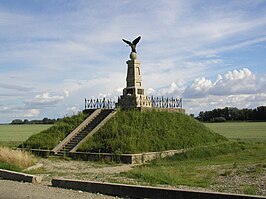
(133,95)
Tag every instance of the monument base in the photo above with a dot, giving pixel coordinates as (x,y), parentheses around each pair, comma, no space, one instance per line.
(133,101)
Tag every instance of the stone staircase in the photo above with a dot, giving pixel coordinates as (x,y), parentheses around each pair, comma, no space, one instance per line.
(87,128)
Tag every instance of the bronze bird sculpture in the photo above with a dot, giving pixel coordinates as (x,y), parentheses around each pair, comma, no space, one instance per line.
(133,44)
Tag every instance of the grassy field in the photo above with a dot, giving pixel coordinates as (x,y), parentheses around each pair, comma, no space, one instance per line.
(13,135)
(236,166)
(240,130)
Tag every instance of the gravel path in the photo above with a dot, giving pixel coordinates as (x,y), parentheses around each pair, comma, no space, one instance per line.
(59,168)
(19,190)
(80,170)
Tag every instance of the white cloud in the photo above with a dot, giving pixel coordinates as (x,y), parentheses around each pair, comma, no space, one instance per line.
(30,113)
(66,93)
(15,87)
(113,95)
(72,110)
(45,99)
(195,105)
(236,88)
(17,112)
(234,82)
(199,88)
(175,89)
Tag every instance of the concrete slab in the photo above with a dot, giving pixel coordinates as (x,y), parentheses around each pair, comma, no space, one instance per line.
(21,177)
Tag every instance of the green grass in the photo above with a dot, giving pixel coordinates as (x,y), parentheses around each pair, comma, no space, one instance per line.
(135,131)
(7,166)
(13,135)
(50,137)
(240,130)
(203,165)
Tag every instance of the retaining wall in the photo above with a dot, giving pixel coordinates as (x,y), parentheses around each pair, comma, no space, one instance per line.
(124,158)
(139,158)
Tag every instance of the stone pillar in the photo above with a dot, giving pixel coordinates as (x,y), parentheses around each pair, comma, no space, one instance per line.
(133,95)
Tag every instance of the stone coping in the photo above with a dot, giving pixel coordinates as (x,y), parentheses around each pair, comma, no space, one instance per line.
(136,191)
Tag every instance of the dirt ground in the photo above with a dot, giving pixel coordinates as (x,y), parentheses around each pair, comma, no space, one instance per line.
(59,168)
(20,190)
(80,170)
(69,169)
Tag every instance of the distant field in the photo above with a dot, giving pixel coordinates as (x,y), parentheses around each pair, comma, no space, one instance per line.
(240,130)
(15,134)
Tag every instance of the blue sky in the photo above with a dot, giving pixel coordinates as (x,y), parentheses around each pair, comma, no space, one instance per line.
(53,54)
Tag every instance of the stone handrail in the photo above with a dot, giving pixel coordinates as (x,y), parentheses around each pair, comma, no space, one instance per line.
(94,130)
(76,130)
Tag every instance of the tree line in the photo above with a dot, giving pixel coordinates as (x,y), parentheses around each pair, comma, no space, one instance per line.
(43,121)
(233,114)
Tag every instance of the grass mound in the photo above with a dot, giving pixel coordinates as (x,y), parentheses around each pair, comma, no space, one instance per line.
(15,159)
(134,132)
(50,137)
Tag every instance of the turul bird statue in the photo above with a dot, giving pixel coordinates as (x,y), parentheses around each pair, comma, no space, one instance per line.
(133,44)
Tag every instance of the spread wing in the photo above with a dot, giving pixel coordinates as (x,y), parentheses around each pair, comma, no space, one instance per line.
(136,40)
(128,42)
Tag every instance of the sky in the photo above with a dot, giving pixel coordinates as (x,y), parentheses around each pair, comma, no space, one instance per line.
(56,53)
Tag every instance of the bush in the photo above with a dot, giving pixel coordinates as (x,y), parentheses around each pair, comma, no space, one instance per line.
(219,119)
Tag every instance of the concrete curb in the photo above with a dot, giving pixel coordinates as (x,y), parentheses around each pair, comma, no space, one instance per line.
(137,158)
(123,190)
(21,177)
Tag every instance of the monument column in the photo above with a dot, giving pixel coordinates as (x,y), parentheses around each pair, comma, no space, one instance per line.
(133,78)
(133,95)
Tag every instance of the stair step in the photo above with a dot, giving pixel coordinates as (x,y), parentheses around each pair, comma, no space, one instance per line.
(75,141)
(70,144)
(85,131)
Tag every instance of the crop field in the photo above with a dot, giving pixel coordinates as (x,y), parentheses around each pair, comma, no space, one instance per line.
(240,130)
(12,135)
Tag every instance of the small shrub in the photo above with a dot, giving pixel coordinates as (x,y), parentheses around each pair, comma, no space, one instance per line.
(18,158)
